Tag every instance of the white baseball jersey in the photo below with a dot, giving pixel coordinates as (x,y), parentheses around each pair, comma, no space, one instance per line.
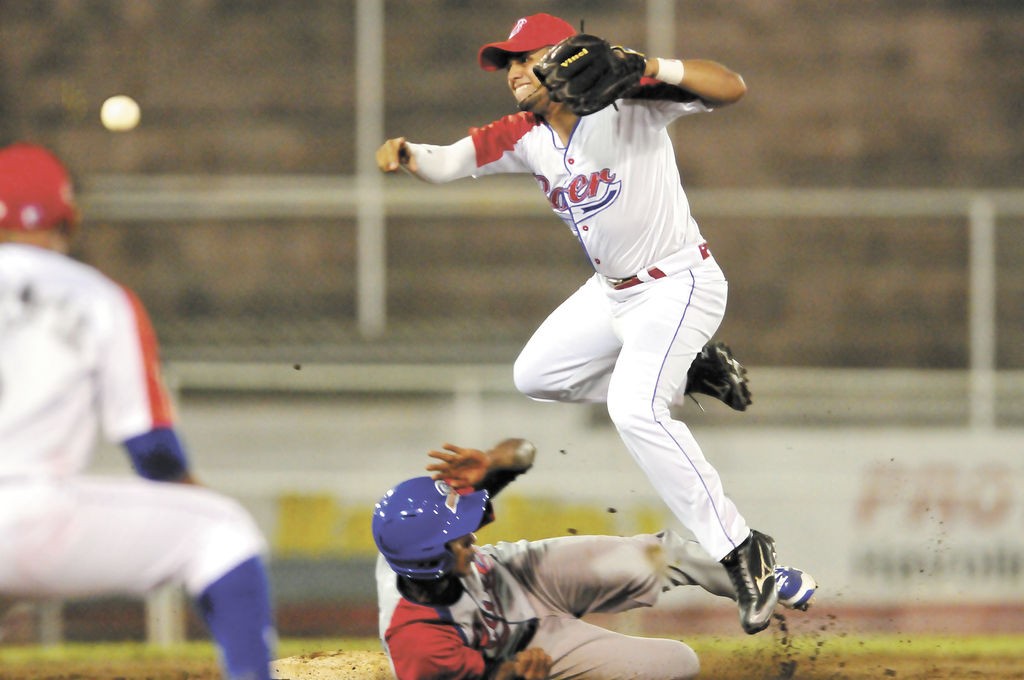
(77,354)
(615,184)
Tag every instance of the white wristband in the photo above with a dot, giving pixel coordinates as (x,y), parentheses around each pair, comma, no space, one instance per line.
(670,71)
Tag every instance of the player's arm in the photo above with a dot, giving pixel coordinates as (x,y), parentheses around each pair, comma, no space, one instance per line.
(492,470)
(136,406)
(712,82)
(429,162)
(433,650)
(160,456)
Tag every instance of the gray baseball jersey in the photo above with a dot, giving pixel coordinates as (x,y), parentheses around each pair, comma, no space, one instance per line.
(533,594)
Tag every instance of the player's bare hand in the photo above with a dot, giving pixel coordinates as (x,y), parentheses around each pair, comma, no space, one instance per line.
(460,467)
(529,664)
(394,154)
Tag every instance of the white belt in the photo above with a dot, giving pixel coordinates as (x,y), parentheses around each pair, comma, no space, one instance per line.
(685,259)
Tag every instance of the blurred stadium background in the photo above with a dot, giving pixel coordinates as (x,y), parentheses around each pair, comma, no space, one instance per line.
(323,325)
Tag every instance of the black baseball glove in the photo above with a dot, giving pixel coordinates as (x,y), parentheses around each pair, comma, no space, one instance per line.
(587,74)
(717,373)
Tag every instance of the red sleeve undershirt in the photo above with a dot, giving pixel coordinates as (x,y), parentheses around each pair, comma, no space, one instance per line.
(494,139)
(159,401)
(424,645)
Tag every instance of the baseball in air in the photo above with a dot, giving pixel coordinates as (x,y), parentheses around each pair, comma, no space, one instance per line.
(120,113)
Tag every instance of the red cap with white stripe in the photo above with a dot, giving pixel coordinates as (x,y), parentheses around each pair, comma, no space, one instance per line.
(529,34)
(35,190)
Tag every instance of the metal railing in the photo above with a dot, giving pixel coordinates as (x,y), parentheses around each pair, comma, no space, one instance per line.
(190,198)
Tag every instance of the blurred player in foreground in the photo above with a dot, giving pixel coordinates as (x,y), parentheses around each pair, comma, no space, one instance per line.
(628,335)
(78,355)
(513,610)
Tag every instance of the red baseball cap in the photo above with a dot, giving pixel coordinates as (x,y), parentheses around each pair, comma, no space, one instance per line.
(35,190)
(529,34)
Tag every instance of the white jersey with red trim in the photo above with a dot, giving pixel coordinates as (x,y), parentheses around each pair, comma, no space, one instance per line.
(628,335)
(615,184)
(77,355)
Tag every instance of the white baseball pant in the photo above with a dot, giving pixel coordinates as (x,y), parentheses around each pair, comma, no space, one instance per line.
(631,348)
(79,536)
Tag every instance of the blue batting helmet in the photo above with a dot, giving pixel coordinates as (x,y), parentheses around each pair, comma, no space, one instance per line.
(414,520)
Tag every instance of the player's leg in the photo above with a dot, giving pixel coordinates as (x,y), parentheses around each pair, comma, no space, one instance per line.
(665,325)
(579,575)
(91,536)
(237,610)
(582,650)
(664,328)
(689,564)
(570,356)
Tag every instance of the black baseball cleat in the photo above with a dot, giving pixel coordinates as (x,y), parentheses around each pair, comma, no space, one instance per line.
(751,567)
(716,372)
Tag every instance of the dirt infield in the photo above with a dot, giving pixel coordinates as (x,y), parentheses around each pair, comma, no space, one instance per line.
(722,667)
(723,662)
(802,653)
(337,665)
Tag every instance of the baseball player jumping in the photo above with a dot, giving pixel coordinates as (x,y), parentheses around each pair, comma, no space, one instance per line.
(451,609)
(627,337)
(78,355)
